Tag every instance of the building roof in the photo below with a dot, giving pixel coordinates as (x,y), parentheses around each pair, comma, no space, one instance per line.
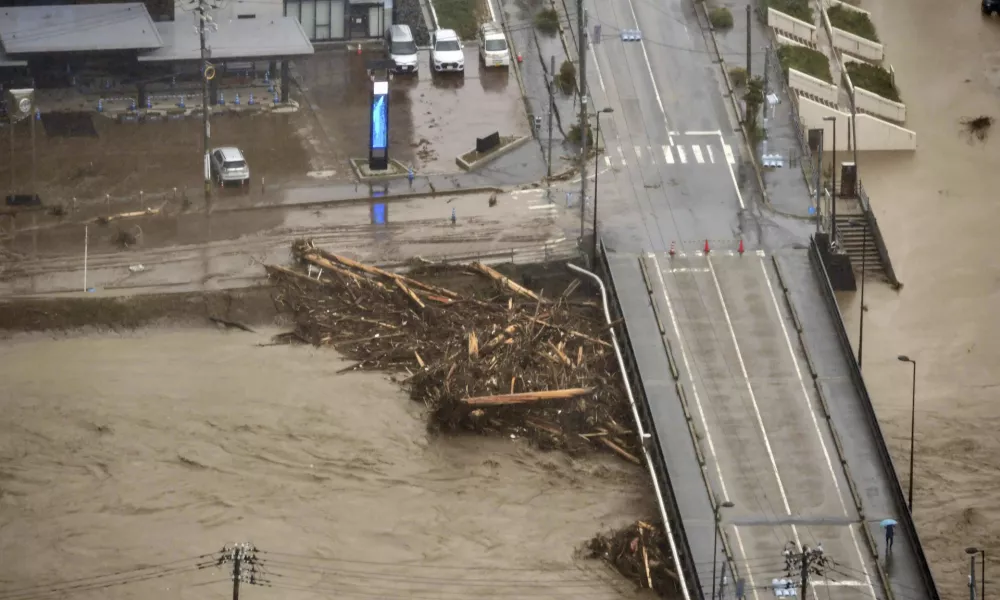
(77,28)
(237,38)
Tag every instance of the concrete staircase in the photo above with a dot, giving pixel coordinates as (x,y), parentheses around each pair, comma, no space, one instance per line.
(852,228)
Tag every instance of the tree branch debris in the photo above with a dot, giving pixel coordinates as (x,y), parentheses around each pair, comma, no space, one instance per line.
(493,357)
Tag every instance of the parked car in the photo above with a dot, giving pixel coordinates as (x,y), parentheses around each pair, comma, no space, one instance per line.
(402,48)
(493,49)
(229,165)
(446,51)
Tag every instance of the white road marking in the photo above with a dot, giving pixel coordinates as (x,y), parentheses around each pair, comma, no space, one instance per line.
(668,155)
(753,400)
(716,132)
(704,422)
(638,152)
(682,154)
(711,156)
(542,207)
(851,583)
(697,153)
(649,69)
(621,153)
(732,174)
(607,160)
(815,420)
(555,240)
(597,68)
(531,192)
(728,151)
(687,270)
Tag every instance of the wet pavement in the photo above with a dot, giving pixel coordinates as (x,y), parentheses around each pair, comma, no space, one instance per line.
(432,118)
(786,186)
(937,211)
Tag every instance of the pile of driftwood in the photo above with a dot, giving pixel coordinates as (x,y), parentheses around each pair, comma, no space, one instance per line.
(494,357)
(641,553)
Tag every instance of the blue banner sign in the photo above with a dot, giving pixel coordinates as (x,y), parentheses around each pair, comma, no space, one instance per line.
(380,116)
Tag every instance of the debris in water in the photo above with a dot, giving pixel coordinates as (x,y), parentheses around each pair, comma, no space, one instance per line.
(978,127)
(641,553)
(493,358)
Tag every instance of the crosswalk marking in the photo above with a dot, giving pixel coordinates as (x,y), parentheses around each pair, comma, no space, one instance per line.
(682,154)
(668,155)
(621,154)
(711,157)
(607,160)
(638,152)
(728,151)
(697,153)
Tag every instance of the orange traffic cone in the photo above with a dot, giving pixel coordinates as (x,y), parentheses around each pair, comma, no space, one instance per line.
(359,49)
(740,250)
(672,250)
(707,249)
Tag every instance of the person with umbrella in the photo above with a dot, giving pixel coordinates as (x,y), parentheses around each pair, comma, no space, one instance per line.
(890,533)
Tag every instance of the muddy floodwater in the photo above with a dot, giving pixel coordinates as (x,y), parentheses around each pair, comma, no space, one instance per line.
(155,447)
(938,210)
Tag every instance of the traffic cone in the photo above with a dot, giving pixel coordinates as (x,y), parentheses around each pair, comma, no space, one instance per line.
(359,49)
(100,105)
(250,101)
(740,250)
(520,59)
(237,100)
(672,249)
(707,249)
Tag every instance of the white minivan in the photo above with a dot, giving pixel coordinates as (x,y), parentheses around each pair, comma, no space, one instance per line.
(493,49)
(402,48)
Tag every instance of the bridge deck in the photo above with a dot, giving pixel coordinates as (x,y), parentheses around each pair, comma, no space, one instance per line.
(758,421)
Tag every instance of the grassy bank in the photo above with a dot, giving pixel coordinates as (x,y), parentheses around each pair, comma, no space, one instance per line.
(464,16)
(808,61)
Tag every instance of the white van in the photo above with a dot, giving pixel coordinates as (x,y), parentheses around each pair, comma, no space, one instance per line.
(493,49)
(402,48)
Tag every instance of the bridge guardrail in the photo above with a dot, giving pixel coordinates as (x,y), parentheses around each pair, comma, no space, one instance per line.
(816,258)
(694,584)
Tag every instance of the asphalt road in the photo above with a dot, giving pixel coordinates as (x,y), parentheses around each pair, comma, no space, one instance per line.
(675,181)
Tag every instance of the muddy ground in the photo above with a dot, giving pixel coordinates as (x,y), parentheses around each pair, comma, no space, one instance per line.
(432,120)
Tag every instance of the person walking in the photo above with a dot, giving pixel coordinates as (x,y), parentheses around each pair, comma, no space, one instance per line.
(890,534)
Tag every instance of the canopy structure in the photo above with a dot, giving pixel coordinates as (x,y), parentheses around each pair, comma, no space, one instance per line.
(280,37)
(77,28)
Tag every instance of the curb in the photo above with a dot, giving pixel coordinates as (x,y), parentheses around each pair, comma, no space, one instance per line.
(362,200)
(516,66)
(402,171)
(492,156)
(743,130)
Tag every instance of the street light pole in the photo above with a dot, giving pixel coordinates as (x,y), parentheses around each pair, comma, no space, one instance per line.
(715,545)
(972,552)
(833,192)
(913,416)
(597,140)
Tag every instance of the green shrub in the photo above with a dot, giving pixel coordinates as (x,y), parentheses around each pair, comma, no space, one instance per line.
(852,21)
(738,76)
(874,79)
(547,21)
(800,9)
(809,61)
(754,99)
(464,16)
(566,79)
(574,135)
(721,18)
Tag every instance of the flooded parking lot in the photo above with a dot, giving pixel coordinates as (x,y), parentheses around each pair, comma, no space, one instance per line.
(164,444)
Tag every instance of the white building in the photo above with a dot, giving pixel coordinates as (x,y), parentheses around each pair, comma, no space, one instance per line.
(322,20)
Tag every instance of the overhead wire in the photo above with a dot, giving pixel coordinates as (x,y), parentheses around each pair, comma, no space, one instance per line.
(42,592)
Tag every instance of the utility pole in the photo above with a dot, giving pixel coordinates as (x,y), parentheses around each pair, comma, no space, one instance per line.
(245,563)
(808,561)
(584,129)
(205,104)
(749,70)
(552,106)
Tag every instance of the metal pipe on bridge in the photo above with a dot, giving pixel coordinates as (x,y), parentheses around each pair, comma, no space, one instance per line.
(643,436)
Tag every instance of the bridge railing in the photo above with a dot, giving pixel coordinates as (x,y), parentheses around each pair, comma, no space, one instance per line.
(896,489)
(659,462)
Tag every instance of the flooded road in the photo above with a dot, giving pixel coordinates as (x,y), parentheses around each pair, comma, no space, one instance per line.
(938,211)
(162,445)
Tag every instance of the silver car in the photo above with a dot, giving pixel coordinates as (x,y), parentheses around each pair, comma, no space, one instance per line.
(229,165)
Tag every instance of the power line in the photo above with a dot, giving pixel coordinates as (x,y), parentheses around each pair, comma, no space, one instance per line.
(42,594)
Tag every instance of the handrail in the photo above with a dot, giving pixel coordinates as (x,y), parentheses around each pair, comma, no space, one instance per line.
(644,437)
(896,489)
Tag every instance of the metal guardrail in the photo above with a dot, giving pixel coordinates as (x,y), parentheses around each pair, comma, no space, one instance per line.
(883,249)
(816,258)
(659,462)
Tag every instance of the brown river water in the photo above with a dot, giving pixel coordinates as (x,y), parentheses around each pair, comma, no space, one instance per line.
(939,210)
(142,449)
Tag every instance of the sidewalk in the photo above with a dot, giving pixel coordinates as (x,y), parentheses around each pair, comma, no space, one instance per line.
(785,186)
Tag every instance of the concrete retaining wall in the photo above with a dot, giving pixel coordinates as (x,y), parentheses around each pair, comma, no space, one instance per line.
(813,87)
(872,133)
(848,42)
(880,107)
(791,27)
